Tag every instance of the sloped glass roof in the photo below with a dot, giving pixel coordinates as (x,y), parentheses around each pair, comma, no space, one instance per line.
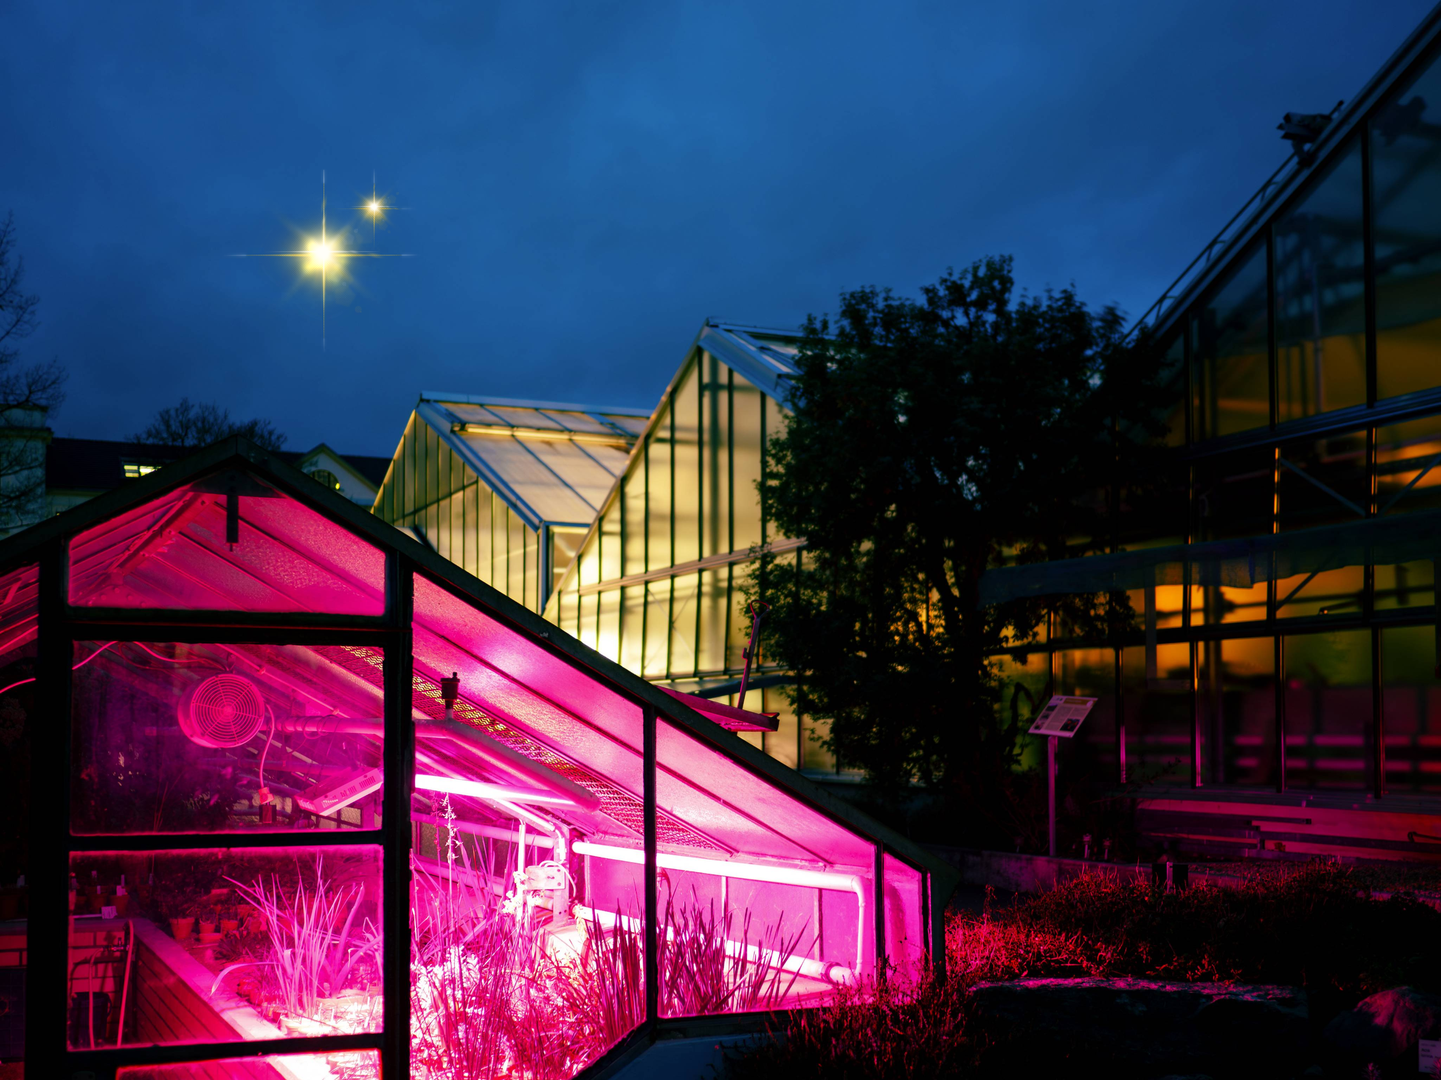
(552,463)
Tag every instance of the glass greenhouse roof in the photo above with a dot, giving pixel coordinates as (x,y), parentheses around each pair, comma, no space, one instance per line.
(552,463)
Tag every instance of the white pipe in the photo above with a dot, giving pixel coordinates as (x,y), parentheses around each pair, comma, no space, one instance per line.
(800,965)
(746,871)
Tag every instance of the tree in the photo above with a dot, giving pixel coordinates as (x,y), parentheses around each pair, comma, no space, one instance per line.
(188,426)
(27,394)
(926,441)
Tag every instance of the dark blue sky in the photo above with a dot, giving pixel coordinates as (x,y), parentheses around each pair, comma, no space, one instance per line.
(587,183)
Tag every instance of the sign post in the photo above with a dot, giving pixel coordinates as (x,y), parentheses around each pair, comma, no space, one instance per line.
(1060,719)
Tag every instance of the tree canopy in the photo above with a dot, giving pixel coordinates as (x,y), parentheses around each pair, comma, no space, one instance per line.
(926,441)
(189,425)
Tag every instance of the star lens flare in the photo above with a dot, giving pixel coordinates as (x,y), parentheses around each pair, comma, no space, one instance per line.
(376,206)
(327,254)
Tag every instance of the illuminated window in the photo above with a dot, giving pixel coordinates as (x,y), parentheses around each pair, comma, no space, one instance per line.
(134,470)
(325,478)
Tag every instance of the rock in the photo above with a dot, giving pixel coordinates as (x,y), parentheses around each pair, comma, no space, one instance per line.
(1386,1025)
(1157,1027)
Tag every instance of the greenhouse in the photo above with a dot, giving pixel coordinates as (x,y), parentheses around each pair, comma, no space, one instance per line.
(328,806)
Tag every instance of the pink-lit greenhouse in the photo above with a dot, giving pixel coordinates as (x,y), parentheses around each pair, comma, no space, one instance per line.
(327,806)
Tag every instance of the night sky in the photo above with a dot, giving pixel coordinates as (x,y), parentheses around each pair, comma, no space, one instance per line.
(585,184)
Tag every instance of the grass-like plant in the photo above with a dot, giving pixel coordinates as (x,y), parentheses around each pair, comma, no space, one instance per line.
(315,942)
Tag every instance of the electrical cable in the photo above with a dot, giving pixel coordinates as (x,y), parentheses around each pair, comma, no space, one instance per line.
(268,740)
(76,667)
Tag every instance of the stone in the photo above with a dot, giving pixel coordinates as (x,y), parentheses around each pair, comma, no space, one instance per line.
(1160,1027)
(1386,1025)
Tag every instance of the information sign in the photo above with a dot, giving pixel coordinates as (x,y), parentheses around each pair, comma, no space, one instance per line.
(1430,1053)
(1062,716)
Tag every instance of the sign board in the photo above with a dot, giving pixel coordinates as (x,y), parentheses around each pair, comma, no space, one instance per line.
(1430,1054)
(1062,716)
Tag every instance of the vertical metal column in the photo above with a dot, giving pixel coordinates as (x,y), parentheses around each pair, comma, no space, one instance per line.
(879,895)
(1378,715)
(1051,794)
(399,758)
(652,884)
(47,937)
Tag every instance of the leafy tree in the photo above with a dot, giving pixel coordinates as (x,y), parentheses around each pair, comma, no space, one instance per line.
(27,394)
(928,440)
(188,426)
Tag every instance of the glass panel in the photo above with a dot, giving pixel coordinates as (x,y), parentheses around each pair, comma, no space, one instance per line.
(687,468)
(906,950)
(19,618)
(515,556)
(713,607)
(1234,498)
(782,919)
(564,545)
(1412,700)
(1328,709)
(174,553)
(1406,206)
(632,627)
(224,738)
(657,629)
(609,566)
(336,1065)
(215,946)
(1238,710)
(608,642)
(658,495)
(1408,466)
(634,521)
(1158,715)
(746,404)
(1229,370)
(1320,296)
(683,625)
(1322,482)
(783,743)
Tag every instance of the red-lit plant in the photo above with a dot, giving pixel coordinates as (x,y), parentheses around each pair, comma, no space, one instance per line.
(316,946)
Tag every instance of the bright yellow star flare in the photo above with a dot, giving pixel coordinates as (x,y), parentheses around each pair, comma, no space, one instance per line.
(327,255)
(375,206)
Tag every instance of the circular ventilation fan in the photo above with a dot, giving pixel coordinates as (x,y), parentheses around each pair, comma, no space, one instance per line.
(223,711)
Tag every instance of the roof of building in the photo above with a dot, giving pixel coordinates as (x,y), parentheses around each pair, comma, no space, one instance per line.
(1247,224)
(544,704)
(99,464)
(552,462)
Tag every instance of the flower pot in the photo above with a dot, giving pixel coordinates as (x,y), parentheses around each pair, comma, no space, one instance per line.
(180,928)
(207,926)
(121,902)
(255,924)
(229,926)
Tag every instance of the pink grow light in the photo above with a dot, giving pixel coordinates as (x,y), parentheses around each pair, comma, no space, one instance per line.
(480,789)
(746,871)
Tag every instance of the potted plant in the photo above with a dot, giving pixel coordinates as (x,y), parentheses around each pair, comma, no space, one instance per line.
(207,918)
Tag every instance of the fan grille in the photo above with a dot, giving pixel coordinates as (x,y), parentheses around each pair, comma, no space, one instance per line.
(223,711)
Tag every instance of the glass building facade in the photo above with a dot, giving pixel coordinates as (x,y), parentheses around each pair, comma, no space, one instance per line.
(1289,636)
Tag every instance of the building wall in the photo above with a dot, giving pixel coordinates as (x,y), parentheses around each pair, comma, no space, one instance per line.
(431,490)
(1308,395)
(656,584)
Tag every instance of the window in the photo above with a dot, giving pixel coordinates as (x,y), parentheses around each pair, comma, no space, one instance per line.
(325,478)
